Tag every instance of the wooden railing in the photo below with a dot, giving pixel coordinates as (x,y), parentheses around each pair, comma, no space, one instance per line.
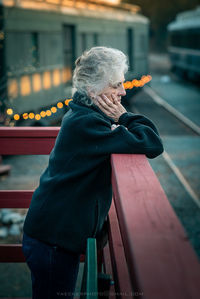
(160,260)
(149,255)
(22,141)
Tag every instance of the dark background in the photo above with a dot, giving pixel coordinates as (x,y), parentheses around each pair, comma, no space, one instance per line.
(161,13)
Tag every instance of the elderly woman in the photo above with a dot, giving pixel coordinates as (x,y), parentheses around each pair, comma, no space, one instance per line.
(73,198)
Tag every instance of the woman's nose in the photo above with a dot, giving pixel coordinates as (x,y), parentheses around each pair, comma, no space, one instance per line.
(122,91)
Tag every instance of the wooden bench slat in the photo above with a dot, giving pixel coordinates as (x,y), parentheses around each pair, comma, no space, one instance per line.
(26,146)
(27,140)
(157,250)
(120,270)
(18,199)
(32,132)
(108,270)
(11,253)
(17,298)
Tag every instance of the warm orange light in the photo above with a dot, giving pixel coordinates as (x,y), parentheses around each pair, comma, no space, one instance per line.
(37,85)
(137,83)
(108,1)
(2,35)
(54,1)
(60,105)
(53,109)
(56,77)
(66,74)
(31,115)
(16,117)
(48,113)
(43,113)
(67,102)
(25,115)
(46,80)
(37,117)
(9,111)
(127,85)
(12,88)
(25,85)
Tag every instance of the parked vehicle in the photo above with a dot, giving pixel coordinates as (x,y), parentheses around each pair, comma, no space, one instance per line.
(184,44)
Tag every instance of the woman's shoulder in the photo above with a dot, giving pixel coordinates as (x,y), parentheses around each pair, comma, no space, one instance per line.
(86,115)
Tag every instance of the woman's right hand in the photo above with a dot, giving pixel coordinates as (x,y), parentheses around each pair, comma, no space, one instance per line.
(112,109)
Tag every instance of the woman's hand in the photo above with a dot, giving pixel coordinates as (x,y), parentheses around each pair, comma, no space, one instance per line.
(112,109)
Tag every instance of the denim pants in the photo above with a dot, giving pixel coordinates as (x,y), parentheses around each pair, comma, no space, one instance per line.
(53,270)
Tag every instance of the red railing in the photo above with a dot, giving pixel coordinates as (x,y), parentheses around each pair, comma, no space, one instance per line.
(22,141)
(160,259)
(149,254)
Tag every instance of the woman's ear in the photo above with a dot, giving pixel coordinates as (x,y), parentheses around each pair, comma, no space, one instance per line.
(91,94)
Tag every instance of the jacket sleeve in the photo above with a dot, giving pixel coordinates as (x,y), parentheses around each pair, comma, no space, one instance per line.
(135,134)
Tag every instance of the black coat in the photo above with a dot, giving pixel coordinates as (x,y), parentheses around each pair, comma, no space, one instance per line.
(75,192)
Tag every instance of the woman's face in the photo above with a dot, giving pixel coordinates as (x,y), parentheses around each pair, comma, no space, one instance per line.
(117,90)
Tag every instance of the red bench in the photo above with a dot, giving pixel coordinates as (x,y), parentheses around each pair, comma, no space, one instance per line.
(149,255)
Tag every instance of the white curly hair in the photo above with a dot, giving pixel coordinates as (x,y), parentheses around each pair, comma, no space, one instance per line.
(96,69)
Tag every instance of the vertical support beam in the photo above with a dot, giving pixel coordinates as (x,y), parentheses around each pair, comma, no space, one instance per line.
(89,287)
(3,75)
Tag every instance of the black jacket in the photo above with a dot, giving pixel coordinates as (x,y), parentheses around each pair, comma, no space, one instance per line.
(75,192)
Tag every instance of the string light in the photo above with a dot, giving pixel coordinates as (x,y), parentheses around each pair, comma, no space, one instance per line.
(31,115)
(43,113)
(37,117)
(137,83)
(25,115)
(9,111)
(16,117)
(60,105)
(53,109)
(48,113)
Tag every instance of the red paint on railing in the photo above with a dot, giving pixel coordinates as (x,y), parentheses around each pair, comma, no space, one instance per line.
(159,256)
(27,140)
(18,199)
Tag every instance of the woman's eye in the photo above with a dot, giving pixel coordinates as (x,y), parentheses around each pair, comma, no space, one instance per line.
(117,85)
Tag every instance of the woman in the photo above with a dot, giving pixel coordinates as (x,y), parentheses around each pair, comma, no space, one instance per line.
(74,194)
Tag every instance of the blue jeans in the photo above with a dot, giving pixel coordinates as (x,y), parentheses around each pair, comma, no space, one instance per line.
(53,270)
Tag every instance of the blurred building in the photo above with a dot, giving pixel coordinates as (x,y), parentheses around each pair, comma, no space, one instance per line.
(40,40)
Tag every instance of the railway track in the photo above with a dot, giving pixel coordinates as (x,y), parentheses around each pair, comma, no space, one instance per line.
(188,123)
(178,167)
(160,101)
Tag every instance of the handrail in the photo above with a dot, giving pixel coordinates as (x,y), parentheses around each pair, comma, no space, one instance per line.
(160,259)
(15,199)
(22,141)
(27,140)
